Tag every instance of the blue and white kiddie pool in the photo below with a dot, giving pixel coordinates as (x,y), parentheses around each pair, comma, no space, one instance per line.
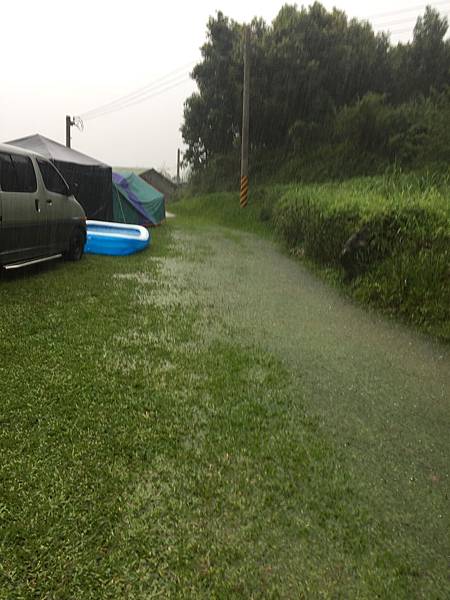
(115,239)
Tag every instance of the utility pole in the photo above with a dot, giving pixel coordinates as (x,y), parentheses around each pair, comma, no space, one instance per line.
(178,166)
(245,120)
(69,123)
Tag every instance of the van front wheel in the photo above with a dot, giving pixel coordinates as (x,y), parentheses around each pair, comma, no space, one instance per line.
(76,246)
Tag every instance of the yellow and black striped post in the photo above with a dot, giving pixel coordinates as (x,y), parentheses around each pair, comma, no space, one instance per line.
(244,191)
(245,120)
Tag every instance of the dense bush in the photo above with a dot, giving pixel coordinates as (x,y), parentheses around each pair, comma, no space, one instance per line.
(399,250)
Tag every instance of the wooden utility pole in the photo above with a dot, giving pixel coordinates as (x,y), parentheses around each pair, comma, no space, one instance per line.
(69,123)
(245,120)
(178,166)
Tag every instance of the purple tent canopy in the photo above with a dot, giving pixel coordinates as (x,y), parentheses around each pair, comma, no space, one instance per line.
(122,183)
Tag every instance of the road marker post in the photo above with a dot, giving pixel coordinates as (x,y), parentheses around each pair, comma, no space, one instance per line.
(244,191)
(245,120)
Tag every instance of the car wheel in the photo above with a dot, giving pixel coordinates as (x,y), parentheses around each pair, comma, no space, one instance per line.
(76,246)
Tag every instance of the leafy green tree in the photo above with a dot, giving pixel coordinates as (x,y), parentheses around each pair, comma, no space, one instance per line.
(211,116)
(424,63)
(195,131)
(430,53)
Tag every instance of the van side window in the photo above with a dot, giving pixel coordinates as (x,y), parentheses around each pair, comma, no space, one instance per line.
(17,173)
(53,181)
(8,178)
(26,177)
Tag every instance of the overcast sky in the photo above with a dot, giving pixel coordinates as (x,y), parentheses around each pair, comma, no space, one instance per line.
(62,57)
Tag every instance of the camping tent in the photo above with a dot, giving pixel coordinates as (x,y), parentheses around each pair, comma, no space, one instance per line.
(134,201)
(88,178)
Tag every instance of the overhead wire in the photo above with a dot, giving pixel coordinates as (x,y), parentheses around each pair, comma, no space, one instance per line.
(142,89)
(154,93)
(408,22)
(409,26)
(402,21)
(138,93)
(165,86)
(408,9)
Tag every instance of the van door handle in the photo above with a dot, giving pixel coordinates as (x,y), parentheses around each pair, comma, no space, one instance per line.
(49,201)
(36,204)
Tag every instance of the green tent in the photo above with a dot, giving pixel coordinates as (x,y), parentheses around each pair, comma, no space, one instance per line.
(135,201)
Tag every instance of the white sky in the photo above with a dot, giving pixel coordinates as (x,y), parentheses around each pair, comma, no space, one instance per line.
(63,57)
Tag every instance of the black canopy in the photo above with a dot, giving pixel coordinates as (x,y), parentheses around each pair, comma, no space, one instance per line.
(88,178)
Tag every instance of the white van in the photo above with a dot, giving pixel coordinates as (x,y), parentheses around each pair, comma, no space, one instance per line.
(39,216)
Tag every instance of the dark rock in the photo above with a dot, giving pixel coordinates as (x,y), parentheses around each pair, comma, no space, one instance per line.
(353,251)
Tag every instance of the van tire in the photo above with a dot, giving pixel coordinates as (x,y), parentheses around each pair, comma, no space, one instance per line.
(76,246)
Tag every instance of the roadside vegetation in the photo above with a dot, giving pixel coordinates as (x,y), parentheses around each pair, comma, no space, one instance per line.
(385,240)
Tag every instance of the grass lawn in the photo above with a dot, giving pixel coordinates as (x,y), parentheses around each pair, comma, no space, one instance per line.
(152,446)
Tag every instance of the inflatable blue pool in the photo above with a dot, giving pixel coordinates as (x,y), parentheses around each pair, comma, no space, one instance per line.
(115,239)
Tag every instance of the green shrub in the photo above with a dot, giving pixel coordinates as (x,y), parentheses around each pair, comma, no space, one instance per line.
(403,264)
(416,287)
(308,217)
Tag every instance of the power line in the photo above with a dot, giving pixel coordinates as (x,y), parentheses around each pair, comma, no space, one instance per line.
(409,26)
(400,31)
(412,20)
(140,100)
(406,10)
(409,21)
(138,92)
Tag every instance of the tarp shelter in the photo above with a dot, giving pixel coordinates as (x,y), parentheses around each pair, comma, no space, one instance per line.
(160,182)
(89,179)
(134,201)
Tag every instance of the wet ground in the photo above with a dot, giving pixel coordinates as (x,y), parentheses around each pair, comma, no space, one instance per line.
(382,391)
(207,419)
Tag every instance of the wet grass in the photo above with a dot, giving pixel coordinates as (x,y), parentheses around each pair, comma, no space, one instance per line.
(223,208)
(158,438)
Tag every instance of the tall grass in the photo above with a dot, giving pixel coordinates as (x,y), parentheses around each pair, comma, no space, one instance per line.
(402,263)
(223,208)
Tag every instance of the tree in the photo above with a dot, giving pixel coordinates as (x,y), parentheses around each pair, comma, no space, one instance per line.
(195,131)
(430,54)
(211,116)
(424,63)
